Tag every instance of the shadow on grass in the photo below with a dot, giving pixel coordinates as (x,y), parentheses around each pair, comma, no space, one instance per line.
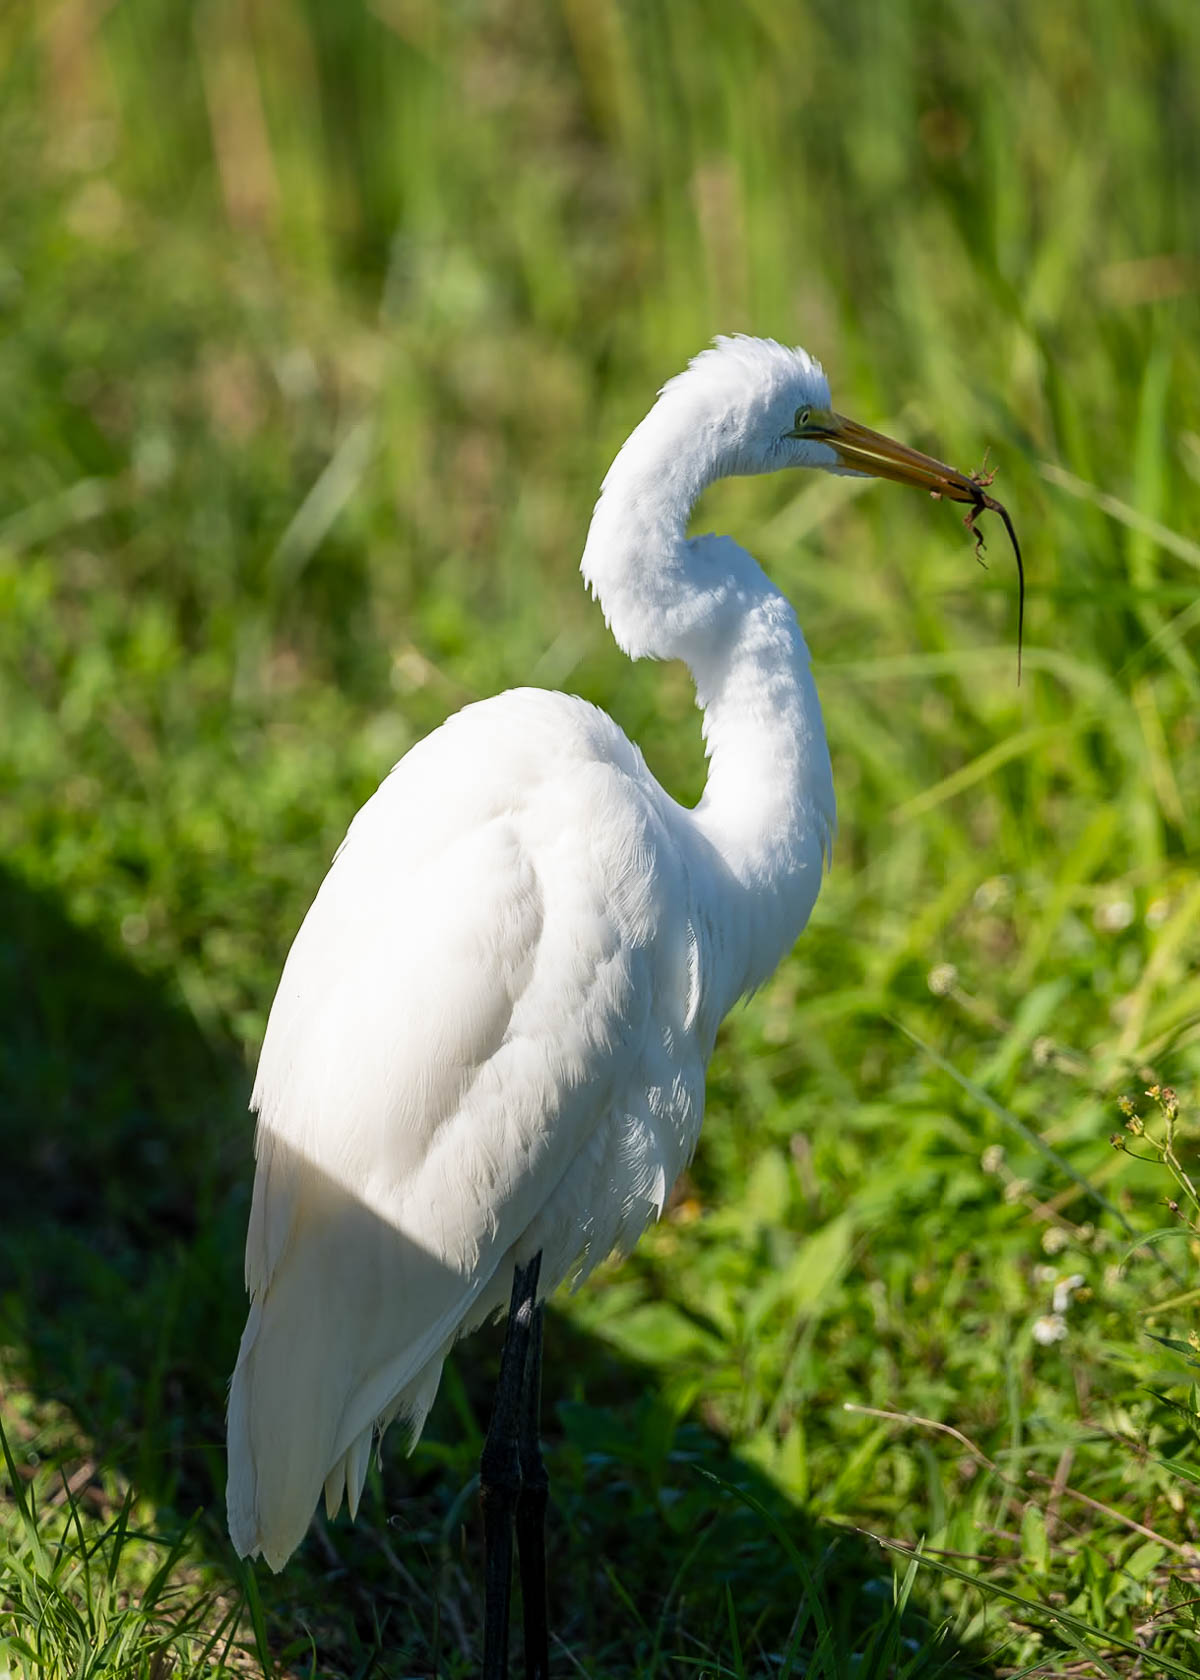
(122,1215)
(120,1210)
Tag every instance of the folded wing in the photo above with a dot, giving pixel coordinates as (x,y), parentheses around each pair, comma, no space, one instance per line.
(479,1001)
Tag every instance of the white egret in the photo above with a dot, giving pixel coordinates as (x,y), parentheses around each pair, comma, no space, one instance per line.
(484,1067)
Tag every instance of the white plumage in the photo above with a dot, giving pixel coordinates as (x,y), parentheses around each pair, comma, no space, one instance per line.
(491,1033)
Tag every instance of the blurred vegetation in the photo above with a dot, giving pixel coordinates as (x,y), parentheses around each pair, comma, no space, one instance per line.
(319,324)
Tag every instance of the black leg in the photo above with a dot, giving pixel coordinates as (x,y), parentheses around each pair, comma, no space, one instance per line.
(531,1512)
(500,1470)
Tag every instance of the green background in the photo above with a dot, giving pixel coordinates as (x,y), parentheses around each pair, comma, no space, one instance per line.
(319,325)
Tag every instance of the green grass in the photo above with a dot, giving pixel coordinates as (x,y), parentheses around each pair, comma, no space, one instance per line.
(319,324)
(98,1597)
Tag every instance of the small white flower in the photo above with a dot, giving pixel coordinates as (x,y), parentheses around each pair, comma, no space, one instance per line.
(1049,1329)
(992,1159)
(1054,1240)
(1063,1292)
(1044,1275)
(942,979)
(1112,917)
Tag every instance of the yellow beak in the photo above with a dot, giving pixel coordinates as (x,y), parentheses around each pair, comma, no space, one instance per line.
(865,451)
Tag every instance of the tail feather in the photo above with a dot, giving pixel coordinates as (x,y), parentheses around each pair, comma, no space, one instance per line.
(349,1332)
(335,1487)
(358,1460)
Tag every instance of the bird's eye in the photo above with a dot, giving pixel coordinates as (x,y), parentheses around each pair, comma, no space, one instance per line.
(802,418)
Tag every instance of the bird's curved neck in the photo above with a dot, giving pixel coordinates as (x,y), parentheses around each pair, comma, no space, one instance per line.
(765,820)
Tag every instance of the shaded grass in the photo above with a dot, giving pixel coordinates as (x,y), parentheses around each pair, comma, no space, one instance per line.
(312,369)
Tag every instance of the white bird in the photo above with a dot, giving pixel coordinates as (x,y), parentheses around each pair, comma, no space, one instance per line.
(484,1067)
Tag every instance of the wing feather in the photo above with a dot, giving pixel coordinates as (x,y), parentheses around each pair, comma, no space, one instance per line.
(458,1018)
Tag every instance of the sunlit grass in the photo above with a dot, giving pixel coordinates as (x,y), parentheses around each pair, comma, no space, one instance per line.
(88,1592)
(318,328)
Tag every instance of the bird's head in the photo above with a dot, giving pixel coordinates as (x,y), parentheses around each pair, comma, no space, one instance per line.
(765,406)
(747,405)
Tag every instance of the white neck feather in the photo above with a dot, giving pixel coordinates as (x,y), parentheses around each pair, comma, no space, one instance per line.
(767,809)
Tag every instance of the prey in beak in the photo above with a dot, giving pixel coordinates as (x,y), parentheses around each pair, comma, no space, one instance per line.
(861,450)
